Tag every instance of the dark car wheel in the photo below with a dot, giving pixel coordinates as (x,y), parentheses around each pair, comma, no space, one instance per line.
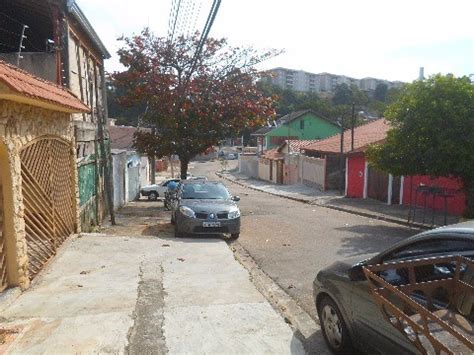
(334,329)
(153,196)
(235,236)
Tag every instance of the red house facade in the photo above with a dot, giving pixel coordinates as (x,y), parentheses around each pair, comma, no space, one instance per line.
(363,181)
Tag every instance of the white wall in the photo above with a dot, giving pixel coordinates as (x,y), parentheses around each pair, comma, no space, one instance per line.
(248,165)
(313,172)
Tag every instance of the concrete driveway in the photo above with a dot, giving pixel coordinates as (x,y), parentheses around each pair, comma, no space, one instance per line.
(144,295)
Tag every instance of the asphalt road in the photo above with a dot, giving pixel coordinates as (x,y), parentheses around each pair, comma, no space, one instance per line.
(292,241)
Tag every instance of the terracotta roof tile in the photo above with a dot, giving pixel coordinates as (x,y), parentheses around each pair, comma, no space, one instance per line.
(297,145)
(28,85)
(121,137)
(364,135)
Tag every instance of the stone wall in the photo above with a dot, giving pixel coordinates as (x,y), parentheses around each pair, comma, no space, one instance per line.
(19,125)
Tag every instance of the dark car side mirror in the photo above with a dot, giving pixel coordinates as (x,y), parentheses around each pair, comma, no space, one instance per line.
(356,273)
(236,198)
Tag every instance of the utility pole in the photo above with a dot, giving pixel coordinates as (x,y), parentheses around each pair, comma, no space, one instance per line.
(153,161)
(352,126)
(21,46)
(341,158)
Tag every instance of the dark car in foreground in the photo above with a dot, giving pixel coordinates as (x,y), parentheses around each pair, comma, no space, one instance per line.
(205,207)
(349,316)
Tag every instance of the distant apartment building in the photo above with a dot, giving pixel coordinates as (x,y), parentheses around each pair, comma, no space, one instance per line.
(299,80)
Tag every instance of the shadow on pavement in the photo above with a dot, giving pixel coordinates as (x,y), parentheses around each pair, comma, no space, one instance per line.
(368,239)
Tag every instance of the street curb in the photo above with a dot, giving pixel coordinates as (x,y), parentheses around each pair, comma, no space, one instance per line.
(303,324)
(332,207)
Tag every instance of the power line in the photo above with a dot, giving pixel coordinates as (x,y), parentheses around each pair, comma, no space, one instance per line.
(11,18)
(10,32)
(7,45)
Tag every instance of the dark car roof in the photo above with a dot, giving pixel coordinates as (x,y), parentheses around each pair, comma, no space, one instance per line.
(201,181)
(461,231)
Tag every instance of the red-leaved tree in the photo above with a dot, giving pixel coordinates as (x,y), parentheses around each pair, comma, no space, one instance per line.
(191,104)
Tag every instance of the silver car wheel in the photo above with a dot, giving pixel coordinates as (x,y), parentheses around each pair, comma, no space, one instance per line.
(332,326)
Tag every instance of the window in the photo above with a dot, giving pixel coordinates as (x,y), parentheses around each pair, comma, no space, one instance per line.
(302,124)
(433,246)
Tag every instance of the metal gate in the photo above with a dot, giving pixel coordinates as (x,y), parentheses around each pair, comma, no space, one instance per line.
(49,199)
(377,185)
(3,254)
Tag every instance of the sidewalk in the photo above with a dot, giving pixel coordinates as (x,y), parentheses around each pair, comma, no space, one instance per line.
(364,207)
(142,294)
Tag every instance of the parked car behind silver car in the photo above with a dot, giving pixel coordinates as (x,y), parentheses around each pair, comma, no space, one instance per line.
(205,207)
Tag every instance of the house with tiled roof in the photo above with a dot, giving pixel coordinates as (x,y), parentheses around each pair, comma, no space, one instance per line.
(39,208)
(361,180)
(58,44)
(298,125)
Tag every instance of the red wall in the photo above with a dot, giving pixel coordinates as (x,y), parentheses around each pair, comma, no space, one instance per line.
(355,176)
(456,204)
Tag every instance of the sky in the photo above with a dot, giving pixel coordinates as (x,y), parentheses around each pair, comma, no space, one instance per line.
(365,38)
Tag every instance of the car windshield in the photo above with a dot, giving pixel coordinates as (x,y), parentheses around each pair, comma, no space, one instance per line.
(205,191)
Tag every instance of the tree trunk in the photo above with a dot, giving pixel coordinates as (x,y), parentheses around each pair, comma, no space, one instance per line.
(469,191)
(184,167)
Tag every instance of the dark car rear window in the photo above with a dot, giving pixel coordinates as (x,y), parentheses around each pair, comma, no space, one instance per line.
(205,191)
(423,248)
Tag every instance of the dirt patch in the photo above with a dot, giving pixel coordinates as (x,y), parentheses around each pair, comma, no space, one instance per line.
(141,218)
(6,338)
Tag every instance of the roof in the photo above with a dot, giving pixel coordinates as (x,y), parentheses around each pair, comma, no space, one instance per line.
(262,131)
(297,114)
(272,154)
(364,135)
(121,137)
(20,86)
(296,145)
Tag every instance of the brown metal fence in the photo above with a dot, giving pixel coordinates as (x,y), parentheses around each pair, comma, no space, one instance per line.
(49,198)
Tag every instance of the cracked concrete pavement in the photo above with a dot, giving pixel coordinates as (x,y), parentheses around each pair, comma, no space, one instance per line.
(144,294)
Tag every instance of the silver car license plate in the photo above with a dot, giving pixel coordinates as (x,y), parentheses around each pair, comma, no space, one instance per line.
(211,224)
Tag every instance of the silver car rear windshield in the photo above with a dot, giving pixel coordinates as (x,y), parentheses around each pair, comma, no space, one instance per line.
(205,192)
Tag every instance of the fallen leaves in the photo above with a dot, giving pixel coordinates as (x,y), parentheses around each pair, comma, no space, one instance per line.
(181,259)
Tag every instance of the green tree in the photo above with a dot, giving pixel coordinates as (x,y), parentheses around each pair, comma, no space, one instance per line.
(343,95)
(380,93)
(432,133)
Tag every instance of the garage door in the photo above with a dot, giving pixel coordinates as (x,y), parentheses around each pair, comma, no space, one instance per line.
(49,198)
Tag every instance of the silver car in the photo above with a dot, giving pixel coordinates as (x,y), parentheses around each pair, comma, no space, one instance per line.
(205,207)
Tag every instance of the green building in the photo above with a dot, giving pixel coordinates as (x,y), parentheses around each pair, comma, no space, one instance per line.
(302,125)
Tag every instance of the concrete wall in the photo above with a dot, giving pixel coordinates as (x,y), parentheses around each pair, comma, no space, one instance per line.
(248,165)
(144,171)
(119,160)
(313,172)
(291,169)
(264,169)
(40,64)
(274,168)
(19,125)
(127,176)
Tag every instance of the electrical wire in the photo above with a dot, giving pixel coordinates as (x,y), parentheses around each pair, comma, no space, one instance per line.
(10,32)
(11,18)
